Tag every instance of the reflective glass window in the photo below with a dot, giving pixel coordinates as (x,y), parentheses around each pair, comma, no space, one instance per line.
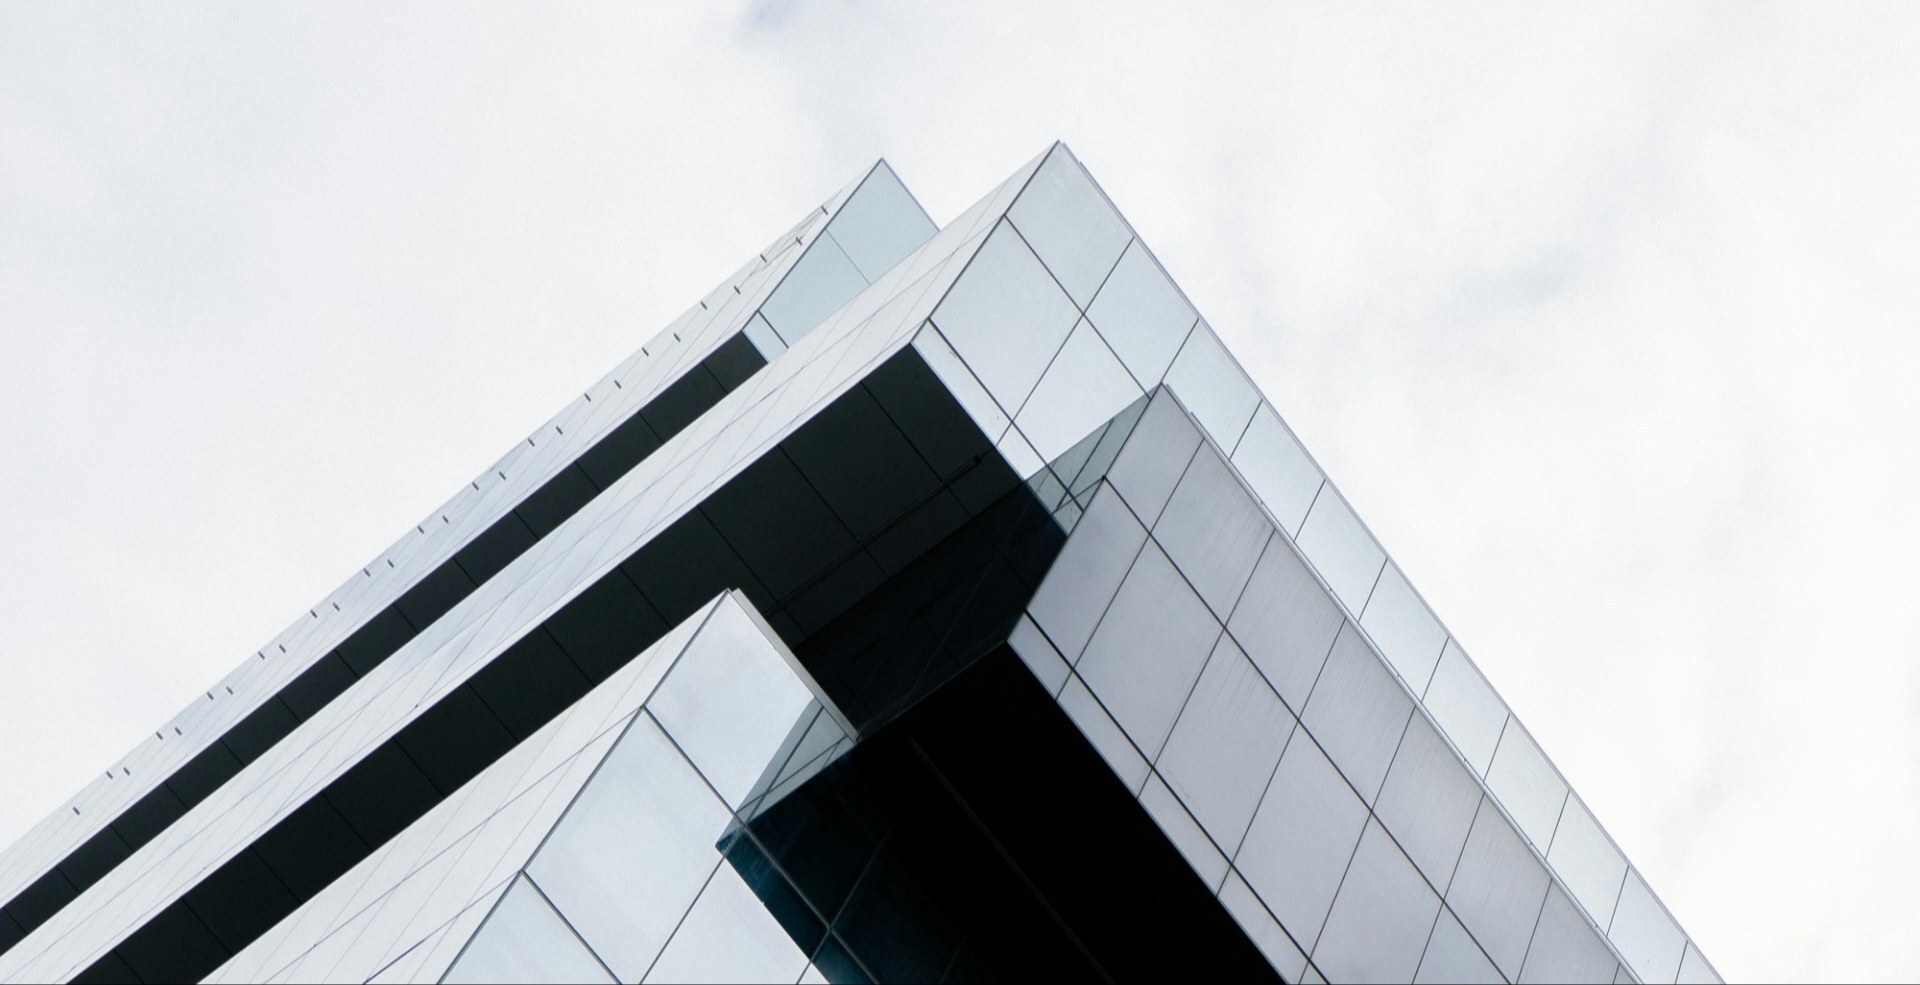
(1046,663)
(959,380)
(1527,785)
(1277,468)
(1142,315)
(1084,388)
(1022,458)
(1694,969)
(730,702)
(1428,801)
(1301,839)
(1148,650)
(880,224)
(1183,831)
(1006,317)
(1087,573)
(633,851)
(1453,957)
(1565,947)
(1357,712)
(1103,733)
(764,338)
(523,940)
(1155,457)
(1213,531)
(1586,860)
(1226,744)
(821,283)
(1465,706)
(729,936)
(1341,549)
(1381,919)
(1497,889)
(1262,928)
(1646,936)
(1071,225)
(1286,622)
(1403,628)
(1213,387)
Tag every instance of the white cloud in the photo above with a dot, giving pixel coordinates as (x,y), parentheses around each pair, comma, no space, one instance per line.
(1602,316)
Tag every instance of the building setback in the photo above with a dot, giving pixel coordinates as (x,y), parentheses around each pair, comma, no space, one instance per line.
(924,604)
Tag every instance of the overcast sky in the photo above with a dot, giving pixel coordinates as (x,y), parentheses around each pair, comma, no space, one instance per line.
(1602,317)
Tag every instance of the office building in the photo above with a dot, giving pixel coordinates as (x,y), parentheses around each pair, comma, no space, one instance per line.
(924,604)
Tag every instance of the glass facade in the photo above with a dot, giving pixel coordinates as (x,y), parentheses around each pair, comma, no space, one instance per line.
(927,603)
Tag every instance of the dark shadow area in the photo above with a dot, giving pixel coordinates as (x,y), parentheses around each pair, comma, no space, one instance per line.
(979,837)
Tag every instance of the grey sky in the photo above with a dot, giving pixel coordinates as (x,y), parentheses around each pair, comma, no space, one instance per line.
(1603,317)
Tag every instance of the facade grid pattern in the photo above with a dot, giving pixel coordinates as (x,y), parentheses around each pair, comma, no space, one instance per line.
(894,451)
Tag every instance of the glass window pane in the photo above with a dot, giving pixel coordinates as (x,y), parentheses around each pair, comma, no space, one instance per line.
(634,850)
(1527,785)
(1142,315)
(1103,734)
(821,283)
(1006,317)
(1083,389)
(1286,622)
(1357,712)
(765,340)
(730,702)
(729,936)
(1213,531)
(1453,957)
(1021,458)
(811,748)
(1155,457)
(880,224)
(1465,706)
(1694,969)
(1046,663)
(1587,861)
(960,381)
(447,949)
(409,967)
(1070,224)
(1278,469)
(1083,579)
(1226,744)
(1341,549)
(1382,918)
(1403,628)
(1210,383)
(1261,928)
(1565,947)
(1301,839)
(1428,801)
(1181,829)
(1148,650)
(1497,889)
(1093,459)
(1646,936)
(523,940)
